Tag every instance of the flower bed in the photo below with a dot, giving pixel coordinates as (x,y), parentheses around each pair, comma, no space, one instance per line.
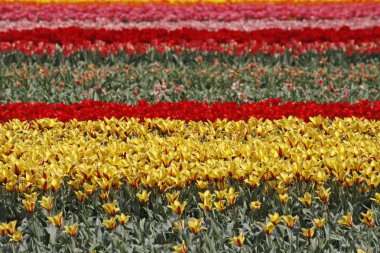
(188,126)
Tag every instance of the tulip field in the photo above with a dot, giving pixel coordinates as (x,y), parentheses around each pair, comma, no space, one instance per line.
(190,126)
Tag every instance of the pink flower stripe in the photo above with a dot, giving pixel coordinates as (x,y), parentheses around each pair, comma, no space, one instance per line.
(151,12)
(212,25)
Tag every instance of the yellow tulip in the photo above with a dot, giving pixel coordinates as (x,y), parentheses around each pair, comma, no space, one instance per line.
(206,205)
(179,225)
(47,203)
(80,196)
(55,184)
(122,218)
(180,248)
(143,197)
(308,232)
(202,184)
(319,222)
(346,220)
(56,220)
(283,198)
(221,194)
(220,205)
(88,189)
(104,195)
(255,205)
(178,207)
(368,218)
(275,218)
(324,194)
(171,197)
(110,224)
(231,196)
(29,205)
(16,237)
(11,227)
(237,240)
(306,200)
(195,225)
(290,221)
(268,228)
(111,208)
(3,229)
(71,230)
(206,196)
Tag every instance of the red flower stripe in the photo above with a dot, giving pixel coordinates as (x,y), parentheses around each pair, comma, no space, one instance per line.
(189,110)
(77,35)
(149,12)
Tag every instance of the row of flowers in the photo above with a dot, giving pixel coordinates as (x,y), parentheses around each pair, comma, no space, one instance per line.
(213,25)
(189,110)
(186,35)
(151,12)
(143,78)
(275,179)
(161,154)
(179,2)
(231,48)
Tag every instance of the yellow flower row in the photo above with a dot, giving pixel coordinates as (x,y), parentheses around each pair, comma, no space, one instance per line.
(190,1)
(43,154)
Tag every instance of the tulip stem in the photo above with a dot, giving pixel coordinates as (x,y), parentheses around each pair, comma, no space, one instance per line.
(13,248)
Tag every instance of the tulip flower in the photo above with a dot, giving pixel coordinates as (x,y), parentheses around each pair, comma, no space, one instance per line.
(206,196)
(179,225)
(122,218)
(306,200)
(71,230)
(346,220)
(283,198)
(202,184)
(221,194)
(308,232)
(268,228)
(171,197)
(143,197)
(195,225)
(231,196)
(16,237)
(290,221)
(368,218)
(206,205)
(80,196)
(111,208)
(11,227)
(275,218)
(255,205)
(238,240)
(177,207)
(324,194)
(220,205)
(110,224)
(180,248)
(104,195)
(29,205)
(47,203)
(88,189)
(319,222)
(56,220)
(3,229)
